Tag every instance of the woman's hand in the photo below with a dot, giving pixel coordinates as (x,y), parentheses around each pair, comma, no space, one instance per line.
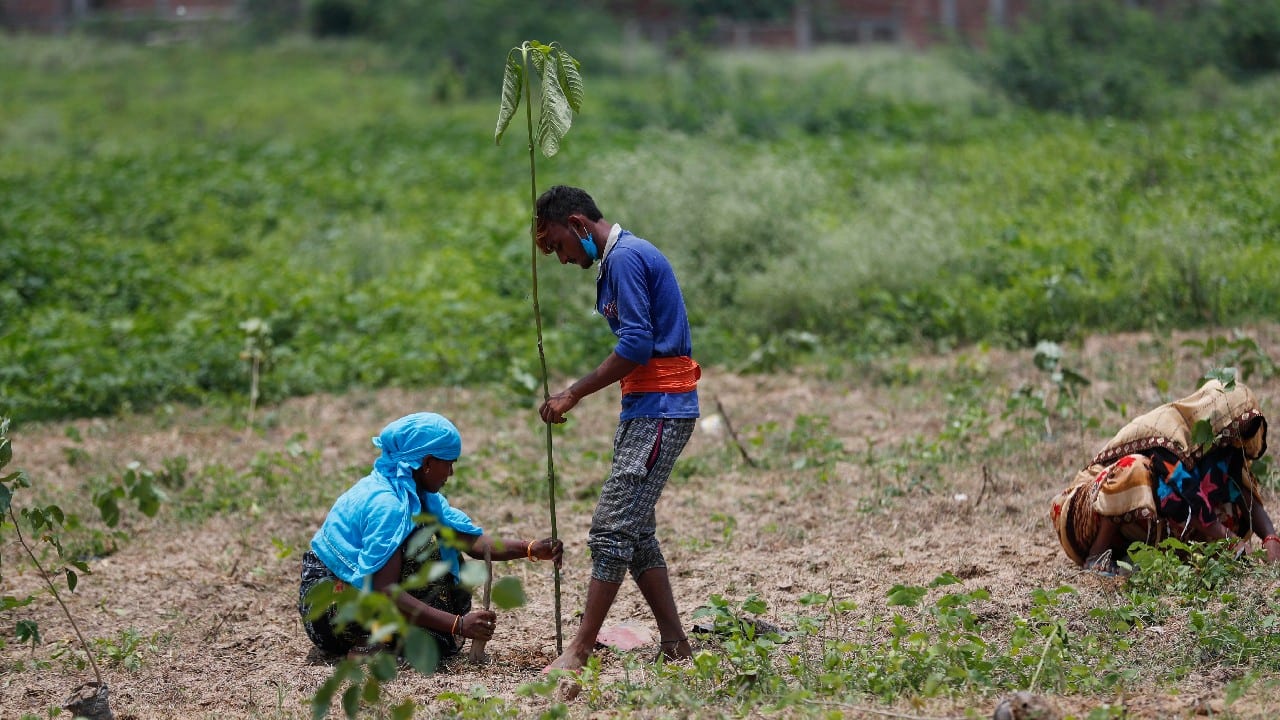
(545,549)
(1271,546)
(478,624)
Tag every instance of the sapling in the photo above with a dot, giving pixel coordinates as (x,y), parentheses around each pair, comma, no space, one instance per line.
(90,699)
(561,86)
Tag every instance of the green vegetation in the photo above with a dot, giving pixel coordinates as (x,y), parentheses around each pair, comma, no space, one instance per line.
(157,199)
(1097,57)
(229,224)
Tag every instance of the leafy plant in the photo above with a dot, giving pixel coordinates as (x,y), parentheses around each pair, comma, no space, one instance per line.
(562,94)
(257,354)
(126,650)
(45,525)
(1033,407)
(1237,354)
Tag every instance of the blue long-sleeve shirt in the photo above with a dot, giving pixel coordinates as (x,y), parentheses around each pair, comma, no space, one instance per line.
(369,521)
(637,293)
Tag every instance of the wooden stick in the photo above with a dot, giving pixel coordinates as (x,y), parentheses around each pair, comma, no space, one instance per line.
(477,646)
(986,480)
(733,434)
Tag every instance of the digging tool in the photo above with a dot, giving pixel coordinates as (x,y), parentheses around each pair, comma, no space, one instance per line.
(477,655)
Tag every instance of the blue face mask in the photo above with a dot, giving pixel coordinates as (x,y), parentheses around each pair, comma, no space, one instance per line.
(588,245)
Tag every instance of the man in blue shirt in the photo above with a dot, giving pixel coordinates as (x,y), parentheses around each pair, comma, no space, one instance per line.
(637,293)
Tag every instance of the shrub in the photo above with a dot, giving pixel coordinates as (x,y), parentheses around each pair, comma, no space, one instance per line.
(1251,35)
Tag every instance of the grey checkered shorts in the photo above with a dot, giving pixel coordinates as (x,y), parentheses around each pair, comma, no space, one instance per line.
(622,530)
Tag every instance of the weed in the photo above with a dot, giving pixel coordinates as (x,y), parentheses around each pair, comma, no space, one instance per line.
(126,651)
(1239,352)
(1038,408)
(257,354)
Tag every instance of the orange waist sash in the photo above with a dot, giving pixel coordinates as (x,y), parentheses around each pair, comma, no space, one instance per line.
(664,374)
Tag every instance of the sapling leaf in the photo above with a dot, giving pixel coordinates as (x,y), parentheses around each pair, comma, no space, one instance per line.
(383,668)
(437,571)
(146,495)
(1202,434)
(9,602)
(473,575)
(512,81)
(420,650)
(570,79)
(6,498)
(26,631)
(1071,377)
(382,632)
(1224,375)
(318,599)
(372,688)
(351,701)
(908,595)
(35,518)
(554,119)
(6,452)
(72,579)
(108,509)
(945,578)
(403,711)
(508,593)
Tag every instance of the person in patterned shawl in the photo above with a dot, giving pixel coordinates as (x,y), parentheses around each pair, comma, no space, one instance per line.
(1155,480)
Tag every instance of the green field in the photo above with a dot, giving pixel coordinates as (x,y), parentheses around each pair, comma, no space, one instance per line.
(877,252)
(153,199)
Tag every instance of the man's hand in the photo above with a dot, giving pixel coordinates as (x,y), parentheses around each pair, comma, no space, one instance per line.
(556,406)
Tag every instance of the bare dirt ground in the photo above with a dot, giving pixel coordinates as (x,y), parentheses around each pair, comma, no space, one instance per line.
(217,599)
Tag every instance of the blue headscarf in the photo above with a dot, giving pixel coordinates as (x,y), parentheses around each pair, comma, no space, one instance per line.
(406,441)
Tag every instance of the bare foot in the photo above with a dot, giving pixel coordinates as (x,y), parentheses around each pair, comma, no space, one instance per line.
(572,659)
(676,649)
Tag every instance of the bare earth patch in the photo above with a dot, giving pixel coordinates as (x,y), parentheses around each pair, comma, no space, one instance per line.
(216,599)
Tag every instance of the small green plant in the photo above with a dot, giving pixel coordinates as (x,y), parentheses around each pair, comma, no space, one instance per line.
(45,525)
(477,704)
(136,483)
(126,650)
(1189,570)
(728,524)
(256,353)
(1238,353)
(809,443)
(1036,408)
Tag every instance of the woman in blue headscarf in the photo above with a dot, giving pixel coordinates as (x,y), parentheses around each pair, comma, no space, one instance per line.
(370,540)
